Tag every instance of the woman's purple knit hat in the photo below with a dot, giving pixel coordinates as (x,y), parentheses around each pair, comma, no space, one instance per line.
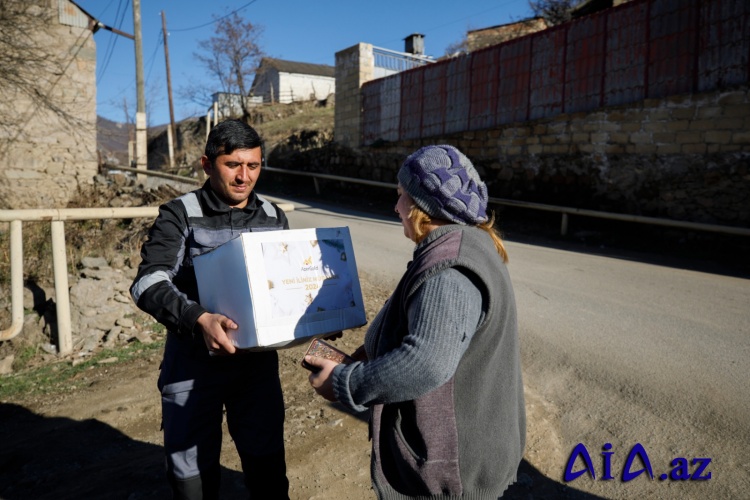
(442,181)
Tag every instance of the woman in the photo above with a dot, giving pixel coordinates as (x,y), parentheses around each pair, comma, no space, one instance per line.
(442,373)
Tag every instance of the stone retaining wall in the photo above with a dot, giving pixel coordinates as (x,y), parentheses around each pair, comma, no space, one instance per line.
(685,157)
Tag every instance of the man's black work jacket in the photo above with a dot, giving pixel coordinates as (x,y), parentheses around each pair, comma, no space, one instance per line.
(190,225)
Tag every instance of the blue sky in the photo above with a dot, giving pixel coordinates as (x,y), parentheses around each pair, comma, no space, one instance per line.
(294,30)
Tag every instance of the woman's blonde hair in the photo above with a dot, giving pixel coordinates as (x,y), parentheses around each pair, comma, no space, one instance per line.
(420,221)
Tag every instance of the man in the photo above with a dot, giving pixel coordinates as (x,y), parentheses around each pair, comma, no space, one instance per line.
(202,373)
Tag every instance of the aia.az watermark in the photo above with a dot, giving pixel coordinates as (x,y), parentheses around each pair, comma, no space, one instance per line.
(682,469)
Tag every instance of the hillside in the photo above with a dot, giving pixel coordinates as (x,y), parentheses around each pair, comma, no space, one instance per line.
(112,140)
(301,125)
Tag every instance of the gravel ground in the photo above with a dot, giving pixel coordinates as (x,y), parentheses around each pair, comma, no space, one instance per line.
(102,438)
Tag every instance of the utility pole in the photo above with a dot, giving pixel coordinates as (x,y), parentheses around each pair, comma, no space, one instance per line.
(141,137)
(131,139)
(171,130)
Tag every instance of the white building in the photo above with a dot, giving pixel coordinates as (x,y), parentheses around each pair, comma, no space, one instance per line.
(287,81)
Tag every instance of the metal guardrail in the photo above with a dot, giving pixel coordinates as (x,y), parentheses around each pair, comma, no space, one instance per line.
(565,212)
(154,173)
(398,61)
(57,218)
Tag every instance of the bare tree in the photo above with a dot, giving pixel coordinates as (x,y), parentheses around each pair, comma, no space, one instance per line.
(231,57)
(28,71)
(457,48)
(553,11)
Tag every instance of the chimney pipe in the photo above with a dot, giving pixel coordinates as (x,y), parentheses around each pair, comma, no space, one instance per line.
(414,44)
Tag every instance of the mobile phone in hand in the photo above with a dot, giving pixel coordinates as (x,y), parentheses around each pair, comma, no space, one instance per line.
(323,349)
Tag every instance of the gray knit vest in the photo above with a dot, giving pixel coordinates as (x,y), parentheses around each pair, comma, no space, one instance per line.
(466,438)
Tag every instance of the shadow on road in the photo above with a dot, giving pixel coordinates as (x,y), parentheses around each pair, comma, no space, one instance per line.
(701,251)
(531,482)
(60,458)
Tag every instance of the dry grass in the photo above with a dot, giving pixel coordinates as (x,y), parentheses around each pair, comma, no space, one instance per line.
(111,239)
(277,123)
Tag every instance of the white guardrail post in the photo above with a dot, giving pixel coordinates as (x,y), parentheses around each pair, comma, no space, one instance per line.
(16,281)
(62,297)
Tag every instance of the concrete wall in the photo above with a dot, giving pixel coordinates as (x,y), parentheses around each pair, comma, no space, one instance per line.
(43,158)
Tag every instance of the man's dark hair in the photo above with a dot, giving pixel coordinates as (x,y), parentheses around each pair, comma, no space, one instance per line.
(230,135)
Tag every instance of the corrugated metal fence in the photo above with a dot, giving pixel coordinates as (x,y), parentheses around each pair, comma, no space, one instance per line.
(642,49)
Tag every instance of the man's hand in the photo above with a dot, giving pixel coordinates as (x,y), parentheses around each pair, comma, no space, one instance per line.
(214,329)
(334,336)
(322,379)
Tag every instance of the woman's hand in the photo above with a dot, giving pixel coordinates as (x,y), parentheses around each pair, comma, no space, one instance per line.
(322,378)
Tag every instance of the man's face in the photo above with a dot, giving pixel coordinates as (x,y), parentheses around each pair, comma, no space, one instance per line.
(233,176)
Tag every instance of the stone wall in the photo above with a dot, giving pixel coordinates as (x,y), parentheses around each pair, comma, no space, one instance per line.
(685,158)
(484,37)
(44,157)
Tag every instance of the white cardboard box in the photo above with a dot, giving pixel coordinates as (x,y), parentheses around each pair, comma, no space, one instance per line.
(283,287)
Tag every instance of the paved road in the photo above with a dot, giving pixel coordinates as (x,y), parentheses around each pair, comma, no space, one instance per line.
(619,351)
(380,248)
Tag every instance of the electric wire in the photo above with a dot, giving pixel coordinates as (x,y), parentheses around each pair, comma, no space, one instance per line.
(119,19)
(239,9)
